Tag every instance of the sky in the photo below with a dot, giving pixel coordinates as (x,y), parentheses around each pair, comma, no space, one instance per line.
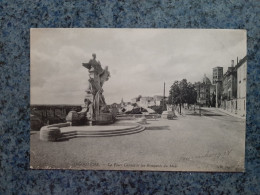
(139,60)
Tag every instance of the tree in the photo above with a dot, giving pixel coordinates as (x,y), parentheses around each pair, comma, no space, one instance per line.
(182,92)
(192,94)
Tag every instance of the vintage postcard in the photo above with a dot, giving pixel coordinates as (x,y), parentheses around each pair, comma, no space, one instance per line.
(138,99)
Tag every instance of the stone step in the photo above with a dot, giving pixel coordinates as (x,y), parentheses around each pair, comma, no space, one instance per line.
(75,134)
(100,135)
(96,129)
(104,132)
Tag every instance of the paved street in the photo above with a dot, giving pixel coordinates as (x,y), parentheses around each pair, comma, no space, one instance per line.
(214,141)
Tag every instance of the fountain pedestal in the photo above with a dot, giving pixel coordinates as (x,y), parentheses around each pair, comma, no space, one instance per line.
(169,113)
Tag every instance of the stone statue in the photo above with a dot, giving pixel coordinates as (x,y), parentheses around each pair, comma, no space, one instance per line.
(98,76)
(95,108)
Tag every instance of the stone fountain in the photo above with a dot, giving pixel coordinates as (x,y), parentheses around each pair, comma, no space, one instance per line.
(95,119)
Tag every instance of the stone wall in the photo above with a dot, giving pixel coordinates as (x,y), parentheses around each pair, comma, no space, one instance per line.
(241,106)
(235,106)
(49,114)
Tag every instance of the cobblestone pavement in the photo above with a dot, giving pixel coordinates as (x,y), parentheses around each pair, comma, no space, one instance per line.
(214,141)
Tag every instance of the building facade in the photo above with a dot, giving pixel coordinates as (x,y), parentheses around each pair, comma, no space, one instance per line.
(146,102)
(229,93)
(205,92)
(217,81)
(241,68)
(158,100)
(230,84)
(134,100)
(234,88)
(217,75)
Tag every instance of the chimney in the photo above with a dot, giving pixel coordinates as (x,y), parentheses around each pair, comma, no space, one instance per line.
(237,60)
(232,63)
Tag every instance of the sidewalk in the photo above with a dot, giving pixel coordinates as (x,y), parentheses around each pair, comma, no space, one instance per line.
(226,112)
(191,112)
(232,114)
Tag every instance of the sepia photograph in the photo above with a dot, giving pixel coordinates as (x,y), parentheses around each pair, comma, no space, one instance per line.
(138,99)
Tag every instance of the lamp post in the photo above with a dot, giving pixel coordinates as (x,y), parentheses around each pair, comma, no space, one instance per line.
(199,107)
(163,95)
(217,92)
(199,101)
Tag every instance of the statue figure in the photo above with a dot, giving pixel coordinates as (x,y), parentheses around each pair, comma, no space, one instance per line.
(95,108)
(94,64)
(87,109)
(98,76)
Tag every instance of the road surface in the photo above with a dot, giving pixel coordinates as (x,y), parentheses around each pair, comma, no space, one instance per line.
(214,141)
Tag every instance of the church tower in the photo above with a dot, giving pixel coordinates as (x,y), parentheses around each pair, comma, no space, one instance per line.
(122,103)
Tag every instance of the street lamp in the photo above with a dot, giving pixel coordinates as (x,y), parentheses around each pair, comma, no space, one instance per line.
(199,107)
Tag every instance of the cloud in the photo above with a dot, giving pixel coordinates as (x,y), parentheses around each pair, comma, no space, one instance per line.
(139,60)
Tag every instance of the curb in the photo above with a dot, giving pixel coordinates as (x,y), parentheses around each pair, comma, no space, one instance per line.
(231,114)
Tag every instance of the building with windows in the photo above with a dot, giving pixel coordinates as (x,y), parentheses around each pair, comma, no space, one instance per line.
(205,92)
(146,102)
(217,79)
(241,69)
(229,92)
(234,88)
(158,100)
(230,83)
(217,75)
